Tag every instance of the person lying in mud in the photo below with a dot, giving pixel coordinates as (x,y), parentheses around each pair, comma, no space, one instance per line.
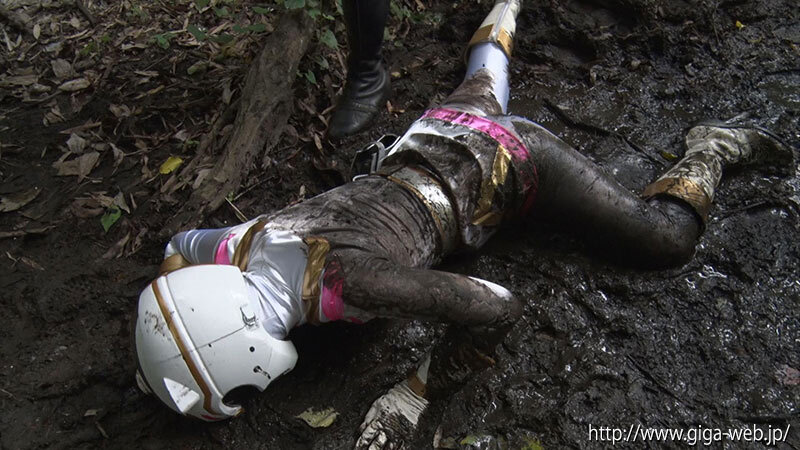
(218,316)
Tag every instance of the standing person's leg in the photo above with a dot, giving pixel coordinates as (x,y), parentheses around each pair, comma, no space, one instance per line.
(367,84)
(485,90)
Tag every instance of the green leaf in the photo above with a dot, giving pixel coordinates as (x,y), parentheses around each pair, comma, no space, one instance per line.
(222,12)
(239,29)
(260,10)
(323,63)
(329,39)
(110,217)
(311,77)
(257,28)
(314,13)
(222,38)
(170,164)
(200,4)
(668,156)
(195,31)
(163,40)
(294,4)
(199,66)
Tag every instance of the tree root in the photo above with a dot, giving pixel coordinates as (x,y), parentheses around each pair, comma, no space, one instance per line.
(264,108)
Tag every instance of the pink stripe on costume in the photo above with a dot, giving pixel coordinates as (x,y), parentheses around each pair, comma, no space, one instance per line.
(502,136)
(332,303)
(222,251)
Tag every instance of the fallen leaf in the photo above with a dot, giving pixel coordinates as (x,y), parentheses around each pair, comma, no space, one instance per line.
(119,111)
(318,419)
(37,31)
(739,25)
(19,80)
(80,166)
(119,200)
(16,201)
(61,68)
(170,164)
(110,217)
(182,135)
(77,84)
(84,208)
(226,92)
(118,155)
(198,67)
(76,144)
(75,22)
(90,413)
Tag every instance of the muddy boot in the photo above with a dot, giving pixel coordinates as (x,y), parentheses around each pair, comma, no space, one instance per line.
(367,84)
(711,146)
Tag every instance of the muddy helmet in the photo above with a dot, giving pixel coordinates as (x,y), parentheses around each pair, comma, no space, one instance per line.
(198,339)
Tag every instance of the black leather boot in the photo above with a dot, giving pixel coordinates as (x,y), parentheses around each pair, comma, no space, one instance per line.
(367,84)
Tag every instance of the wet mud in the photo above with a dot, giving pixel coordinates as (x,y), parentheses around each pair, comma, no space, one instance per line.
(712,343)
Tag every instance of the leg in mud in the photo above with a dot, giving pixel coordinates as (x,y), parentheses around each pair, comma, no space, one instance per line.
(662,229)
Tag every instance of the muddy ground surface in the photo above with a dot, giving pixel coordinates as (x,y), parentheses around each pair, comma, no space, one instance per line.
(714,343)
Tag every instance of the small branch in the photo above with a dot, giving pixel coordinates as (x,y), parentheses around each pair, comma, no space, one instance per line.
(85,11)
(594,129)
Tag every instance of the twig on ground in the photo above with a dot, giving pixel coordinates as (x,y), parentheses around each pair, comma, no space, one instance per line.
(85,11)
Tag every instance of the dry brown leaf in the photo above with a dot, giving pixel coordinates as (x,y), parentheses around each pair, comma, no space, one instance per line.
(80,166)
(118,155)
(62,68)
(182,135)
(37,88)
(86,207)
(76,144)
(37,31)
(75,22)
(13,202)
(53,116)
(75,85)
(19,80)
(227,93)
(120,111)
(119,201)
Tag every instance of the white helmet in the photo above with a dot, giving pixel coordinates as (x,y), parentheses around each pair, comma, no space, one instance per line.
(197,339)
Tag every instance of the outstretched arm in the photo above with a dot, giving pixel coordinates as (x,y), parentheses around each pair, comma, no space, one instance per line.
(481,306)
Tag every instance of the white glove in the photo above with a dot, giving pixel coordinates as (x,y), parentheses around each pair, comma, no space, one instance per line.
(392,419)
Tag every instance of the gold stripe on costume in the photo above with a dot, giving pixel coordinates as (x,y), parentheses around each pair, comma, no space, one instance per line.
(484,34)
(241,256)
(184,349)
(173,263)
(416,385)
(424,200)
(483,214)
(318,249)
(684,189)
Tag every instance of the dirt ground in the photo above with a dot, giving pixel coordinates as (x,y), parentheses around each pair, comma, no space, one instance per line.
(714,343)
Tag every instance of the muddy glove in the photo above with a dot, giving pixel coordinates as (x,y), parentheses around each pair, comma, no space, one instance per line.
(392,419)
